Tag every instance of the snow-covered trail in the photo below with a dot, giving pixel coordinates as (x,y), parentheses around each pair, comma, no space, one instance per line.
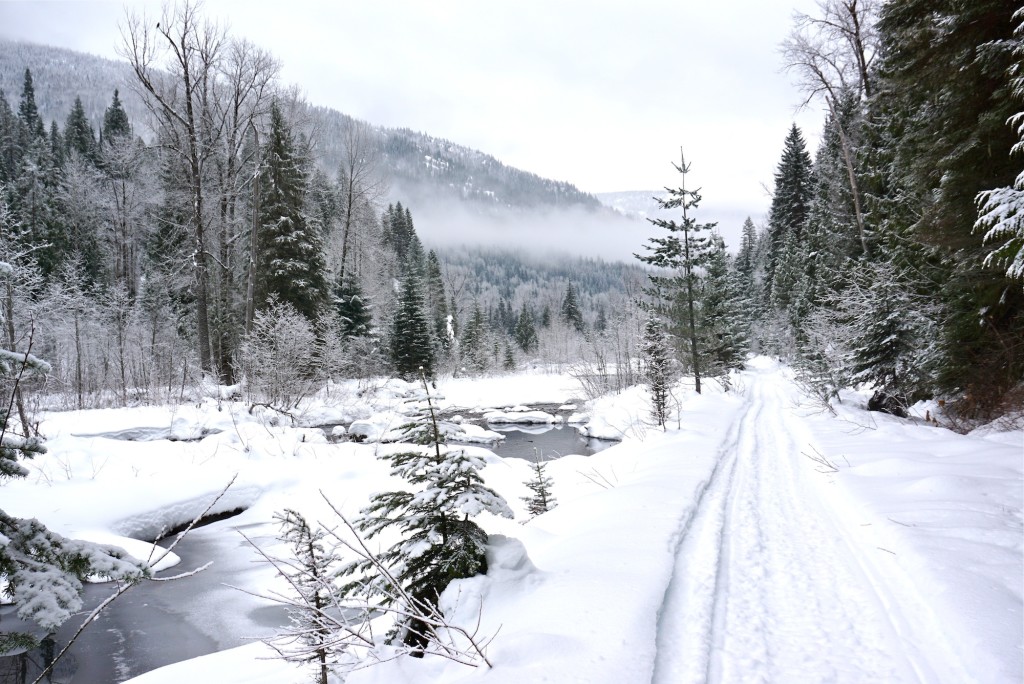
(765,587)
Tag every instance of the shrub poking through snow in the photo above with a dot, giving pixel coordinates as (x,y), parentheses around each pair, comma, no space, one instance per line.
(439,542)
(311,638)
(542,500)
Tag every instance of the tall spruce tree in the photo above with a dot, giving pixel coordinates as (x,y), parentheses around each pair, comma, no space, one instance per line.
(28,112)
(291,259)
(571,312)
(412,345)
(790,205)
(437,304)
(682,253)
(78,134)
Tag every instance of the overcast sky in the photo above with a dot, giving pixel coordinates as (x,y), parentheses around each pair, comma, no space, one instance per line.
(600,94)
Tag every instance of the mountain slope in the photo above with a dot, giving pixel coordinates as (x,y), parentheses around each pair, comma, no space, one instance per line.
(416,164)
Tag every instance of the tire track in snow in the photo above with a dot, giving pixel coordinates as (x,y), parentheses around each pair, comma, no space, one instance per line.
(764,588)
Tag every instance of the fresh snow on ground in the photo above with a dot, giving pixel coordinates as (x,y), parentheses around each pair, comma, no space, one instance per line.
(717,550)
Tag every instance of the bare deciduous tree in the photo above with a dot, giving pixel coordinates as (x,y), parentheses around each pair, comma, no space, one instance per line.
(831,56)
(175,62)
(360,185)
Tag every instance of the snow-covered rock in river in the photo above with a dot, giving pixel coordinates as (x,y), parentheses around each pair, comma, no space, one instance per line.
(521,417)
(467,433)
(380,427)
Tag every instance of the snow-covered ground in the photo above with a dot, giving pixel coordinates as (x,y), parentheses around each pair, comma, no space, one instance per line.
(717,550)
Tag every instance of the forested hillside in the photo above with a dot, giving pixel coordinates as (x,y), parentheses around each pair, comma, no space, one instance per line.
(415,165)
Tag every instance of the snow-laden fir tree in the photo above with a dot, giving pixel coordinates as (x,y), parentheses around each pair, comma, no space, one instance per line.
(310,572)
(473,343)
(78,134)
(351,307)
(439,540)
(724,311)
(437,304)
(526,331)
(886,323)
(115,121)
(542,500)
(656,353)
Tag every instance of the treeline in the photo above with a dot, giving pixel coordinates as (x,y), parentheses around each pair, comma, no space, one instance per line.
(874,267)
(220,251)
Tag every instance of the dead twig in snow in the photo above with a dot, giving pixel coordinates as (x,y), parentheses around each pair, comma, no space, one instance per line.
(824,465)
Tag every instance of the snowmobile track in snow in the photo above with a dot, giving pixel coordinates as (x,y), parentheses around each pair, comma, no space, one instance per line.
(765,587)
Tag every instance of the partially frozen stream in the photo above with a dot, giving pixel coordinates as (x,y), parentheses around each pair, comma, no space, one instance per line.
(159,623)
(544,442)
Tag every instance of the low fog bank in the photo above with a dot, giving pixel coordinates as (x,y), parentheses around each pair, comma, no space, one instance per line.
(550,231)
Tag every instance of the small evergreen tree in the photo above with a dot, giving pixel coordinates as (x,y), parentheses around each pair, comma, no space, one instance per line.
(115,121)
(723,323)
(440,543)
(473,343)
(311,573)
(657,370)
(525,331)
(542,500)
(351,306)
(509,361)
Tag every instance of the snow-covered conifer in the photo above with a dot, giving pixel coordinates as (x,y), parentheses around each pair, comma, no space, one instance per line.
(542,500)
(439,540)
(1001,211)
(657,359)
(311,637)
